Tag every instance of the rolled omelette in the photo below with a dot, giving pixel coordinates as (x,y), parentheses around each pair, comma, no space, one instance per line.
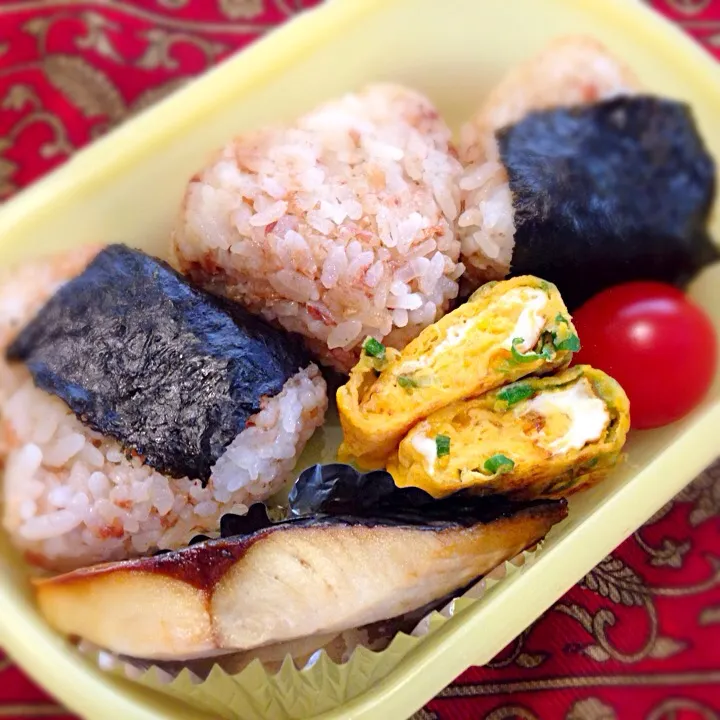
(505,331)
(539,437)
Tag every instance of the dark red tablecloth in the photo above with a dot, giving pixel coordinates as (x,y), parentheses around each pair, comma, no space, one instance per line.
(639,637)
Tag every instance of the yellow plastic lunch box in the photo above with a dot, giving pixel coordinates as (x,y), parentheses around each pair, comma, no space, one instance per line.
(127,187)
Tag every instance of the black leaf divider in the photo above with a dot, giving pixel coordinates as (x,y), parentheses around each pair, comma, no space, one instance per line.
(339,492)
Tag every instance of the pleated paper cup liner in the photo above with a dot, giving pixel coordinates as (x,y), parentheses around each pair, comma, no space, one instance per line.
(305,677)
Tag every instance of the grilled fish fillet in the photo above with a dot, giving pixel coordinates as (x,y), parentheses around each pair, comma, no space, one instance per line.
(288,581)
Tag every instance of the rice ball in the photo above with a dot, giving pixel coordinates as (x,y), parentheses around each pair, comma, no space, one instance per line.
(72,497)
(571,71)
(337,227)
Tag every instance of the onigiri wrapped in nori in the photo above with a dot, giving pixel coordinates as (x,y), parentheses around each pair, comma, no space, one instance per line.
(337,226)
(570,71)
(585,191)
(137,410)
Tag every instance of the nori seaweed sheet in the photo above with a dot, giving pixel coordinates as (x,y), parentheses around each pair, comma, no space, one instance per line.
(607,193)
(339,494)
(141,355)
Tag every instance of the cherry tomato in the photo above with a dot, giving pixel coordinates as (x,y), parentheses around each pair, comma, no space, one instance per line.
(655,342)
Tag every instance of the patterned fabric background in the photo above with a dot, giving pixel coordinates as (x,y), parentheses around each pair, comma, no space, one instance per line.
(639,637)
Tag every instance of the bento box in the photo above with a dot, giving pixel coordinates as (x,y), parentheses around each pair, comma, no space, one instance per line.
(127,187)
